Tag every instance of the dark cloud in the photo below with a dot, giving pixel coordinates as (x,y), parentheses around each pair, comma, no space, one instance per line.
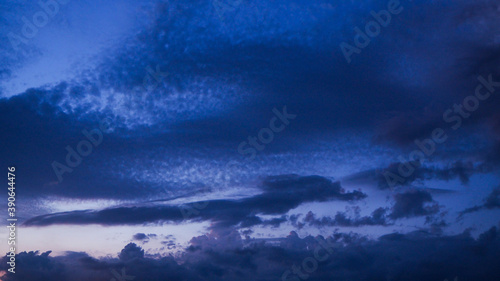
(492,158)
(492,201)
(140,236)
(378,217)
(227,70)
(131,253)
(404,174)
(82,267)
(224,87)
(397,173)
(407,205)
(413,204)
(280,194)
(225,256)
(36,125)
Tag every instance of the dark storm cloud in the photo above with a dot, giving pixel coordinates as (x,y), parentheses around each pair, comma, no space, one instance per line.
(280,194)
(225,256)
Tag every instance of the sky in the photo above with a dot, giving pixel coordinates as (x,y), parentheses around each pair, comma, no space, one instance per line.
(251,140)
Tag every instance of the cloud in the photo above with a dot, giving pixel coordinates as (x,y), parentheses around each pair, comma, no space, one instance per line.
(492,201)
(378,217)
(131,253)
(492,158)
(407,205)
(224,77)
(226,256)
(279,195)
(420,173)
(223,88)
(413,204)
(140,236)
(81,267)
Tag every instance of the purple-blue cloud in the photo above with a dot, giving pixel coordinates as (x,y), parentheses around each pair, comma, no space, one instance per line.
(182,84)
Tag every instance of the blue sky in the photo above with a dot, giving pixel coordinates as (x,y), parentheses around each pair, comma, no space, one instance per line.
(223,138)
